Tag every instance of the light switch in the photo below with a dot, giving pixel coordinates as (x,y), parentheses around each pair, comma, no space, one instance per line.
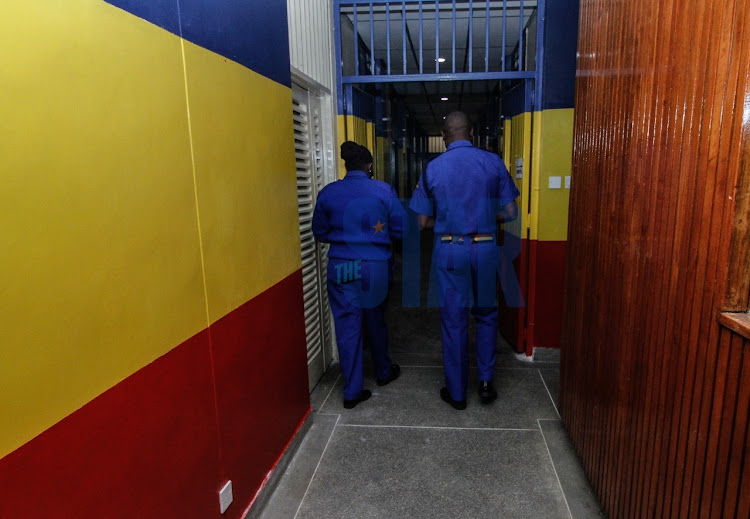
(555,182)
(567,182)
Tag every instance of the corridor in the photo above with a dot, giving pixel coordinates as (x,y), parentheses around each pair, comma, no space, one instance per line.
(406,454)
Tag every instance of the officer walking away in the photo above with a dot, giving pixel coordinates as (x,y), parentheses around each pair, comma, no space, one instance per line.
(462,194)
(359,216)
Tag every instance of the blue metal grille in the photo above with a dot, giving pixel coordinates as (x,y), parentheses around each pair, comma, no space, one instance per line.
(437,40)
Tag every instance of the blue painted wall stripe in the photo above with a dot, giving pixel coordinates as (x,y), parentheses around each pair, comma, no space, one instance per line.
(560,48)
(363,105)
(517,100)
(253,33)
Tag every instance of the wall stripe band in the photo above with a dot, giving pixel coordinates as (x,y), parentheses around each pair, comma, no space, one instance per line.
(252,35)
(106,379)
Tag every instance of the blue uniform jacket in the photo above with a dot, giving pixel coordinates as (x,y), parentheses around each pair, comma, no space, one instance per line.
(464,189)
(359,217)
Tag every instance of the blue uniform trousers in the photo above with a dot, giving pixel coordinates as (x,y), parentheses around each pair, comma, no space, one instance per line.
(466,279)
(357,292)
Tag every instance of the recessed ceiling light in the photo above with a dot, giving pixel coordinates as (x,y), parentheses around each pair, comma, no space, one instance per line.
(441,60)
(443,98)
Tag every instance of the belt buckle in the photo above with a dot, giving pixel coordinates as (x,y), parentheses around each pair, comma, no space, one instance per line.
(452,238)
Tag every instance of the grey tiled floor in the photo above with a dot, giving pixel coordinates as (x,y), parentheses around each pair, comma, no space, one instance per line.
(406,454)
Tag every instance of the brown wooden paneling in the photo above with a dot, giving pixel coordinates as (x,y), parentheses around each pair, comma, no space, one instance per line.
(654,390)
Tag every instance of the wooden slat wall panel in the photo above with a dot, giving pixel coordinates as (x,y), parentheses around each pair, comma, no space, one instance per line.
(654,392)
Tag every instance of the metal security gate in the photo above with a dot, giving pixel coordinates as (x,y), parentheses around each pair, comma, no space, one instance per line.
(437,40)
(311,177)
(414,49)
(438,56)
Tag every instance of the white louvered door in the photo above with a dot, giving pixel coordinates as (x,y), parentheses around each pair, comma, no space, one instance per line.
(310,158)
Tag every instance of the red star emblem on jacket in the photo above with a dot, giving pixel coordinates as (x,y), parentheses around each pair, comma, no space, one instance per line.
(378,227)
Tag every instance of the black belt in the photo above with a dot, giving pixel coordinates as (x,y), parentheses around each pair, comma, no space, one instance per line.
(460,238)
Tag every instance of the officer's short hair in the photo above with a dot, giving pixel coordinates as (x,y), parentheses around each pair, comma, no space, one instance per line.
(456,123)
(355,156)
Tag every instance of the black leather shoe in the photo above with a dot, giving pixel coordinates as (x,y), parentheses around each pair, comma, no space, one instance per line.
(364,395)
(457,404)
(395,372)
(487,392)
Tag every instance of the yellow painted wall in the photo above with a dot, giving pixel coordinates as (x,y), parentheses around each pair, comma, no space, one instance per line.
(383,159)
(355,129)
(246,178)
(555,144)
(519,146)
(550,156)
(102,266)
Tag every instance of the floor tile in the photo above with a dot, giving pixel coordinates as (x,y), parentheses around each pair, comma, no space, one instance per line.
(414,400)
(551,378)
(323,388)
(293,485)
(394,473)
(581,499)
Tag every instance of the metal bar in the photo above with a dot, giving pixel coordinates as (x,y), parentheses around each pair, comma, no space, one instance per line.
(454,37)
(339,65)
(388,35)
(349,3)
(372,43)
(356,41)
(403,23)
(471,34)
(421,39)
(459,76)
(505,30)
(541,14)
(348,110)
(520,36)
(437,37)
(487,36)
(424,87)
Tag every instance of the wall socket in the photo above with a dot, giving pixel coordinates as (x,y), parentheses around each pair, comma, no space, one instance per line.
(225,496)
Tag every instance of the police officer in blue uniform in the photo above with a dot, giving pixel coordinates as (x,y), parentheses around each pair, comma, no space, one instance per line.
(463,193)
(359,216)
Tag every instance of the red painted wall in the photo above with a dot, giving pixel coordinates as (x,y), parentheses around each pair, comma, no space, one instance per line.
(222,405)
(545,325)
(542,286)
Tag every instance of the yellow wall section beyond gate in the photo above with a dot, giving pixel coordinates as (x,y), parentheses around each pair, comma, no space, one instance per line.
(520,147)
(382,159)
(246,178)
(553,159)
(101,264)
(552,152)
(352,128)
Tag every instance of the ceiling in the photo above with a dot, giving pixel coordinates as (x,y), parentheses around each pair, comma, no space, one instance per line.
(487,50)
